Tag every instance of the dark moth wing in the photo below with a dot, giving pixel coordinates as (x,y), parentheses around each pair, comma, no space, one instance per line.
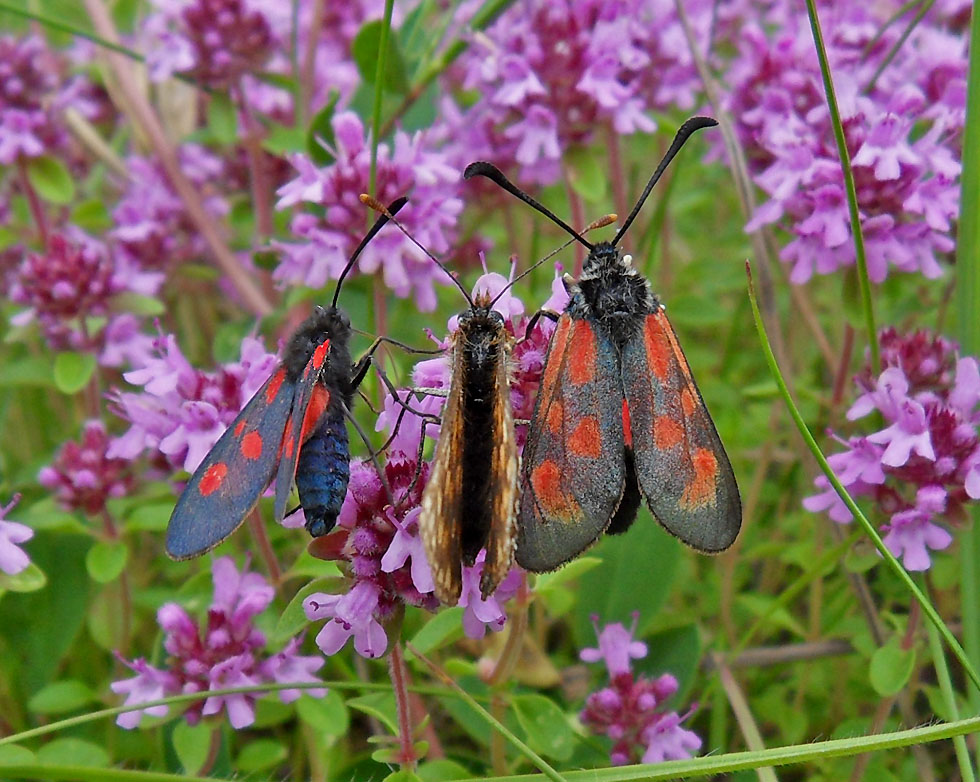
(502,490)
(574,470)
(681,464)
(440,522)
(228,483)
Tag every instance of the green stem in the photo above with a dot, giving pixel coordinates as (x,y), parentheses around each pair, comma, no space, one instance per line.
(852,204)
(949,696)
(852,506)
(923,10)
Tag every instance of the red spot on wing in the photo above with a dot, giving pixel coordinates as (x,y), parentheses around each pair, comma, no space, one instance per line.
(667,432)
(555,416)
(581,363)
(546,482)
(319,399)
(688,403)
(700,490)
(275,384)
(658,349)
(627,425)
(585,439)
(320,354)
(558,343)
(251,446)
(239,428)
(212,479)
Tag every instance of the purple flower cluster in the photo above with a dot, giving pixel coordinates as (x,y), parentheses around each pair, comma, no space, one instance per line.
(925,463)
(330,234)
(27,83)
(903,132)
(629,710)
(228,653)
(182,411)
(552,75)
(83,476)
(13,559)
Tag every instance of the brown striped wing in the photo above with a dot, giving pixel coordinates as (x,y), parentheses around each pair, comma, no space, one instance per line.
(573,470)
(681,464)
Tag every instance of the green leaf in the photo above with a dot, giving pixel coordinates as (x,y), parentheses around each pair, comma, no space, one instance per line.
(444,628)
(554,589)
(51,179)
(61,697)
(366,49)
(192,743)
(587,173)
(138,304)
(636,574)
(72,371)
(402,775)
(92,216)
(293,618)
(27,371)
(380,705)
(891,666)
(260,755)
(284,139)
(16,755)
(321,129)
(327,716)
(676,651)
(222,119)
(443,770)
(106,560)
(151,518)
(547,728)
(30,579)
(72,752)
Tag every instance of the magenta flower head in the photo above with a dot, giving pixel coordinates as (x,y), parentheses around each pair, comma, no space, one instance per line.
(27,83)
(214,42)
(903,132)
(13,559)
(552,76)
(83,477)
(411,167)
(629,710)
(182,411)
(923,465)
(227,653)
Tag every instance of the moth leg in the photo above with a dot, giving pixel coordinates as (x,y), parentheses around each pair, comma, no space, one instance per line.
(372,456)
(552,316)
(418,461)
(361,367)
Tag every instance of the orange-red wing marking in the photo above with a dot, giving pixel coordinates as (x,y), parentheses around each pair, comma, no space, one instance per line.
(681,464)
(573,473)
(312,401)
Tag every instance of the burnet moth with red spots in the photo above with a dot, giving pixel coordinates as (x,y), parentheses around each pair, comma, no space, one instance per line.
(618,416)
(293,429)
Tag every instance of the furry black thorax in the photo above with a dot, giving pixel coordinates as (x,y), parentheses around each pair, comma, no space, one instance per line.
(325,323)
(612,294)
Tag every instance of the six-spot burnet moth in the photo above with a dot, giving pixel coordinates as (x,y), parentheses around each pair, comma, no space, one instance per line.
(294,428)
(618,414)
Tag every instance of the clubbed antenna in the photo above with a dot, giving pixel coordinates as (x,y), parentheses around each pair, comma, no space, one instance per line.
(495,175)
(386,214)
(377,206)
(685,132)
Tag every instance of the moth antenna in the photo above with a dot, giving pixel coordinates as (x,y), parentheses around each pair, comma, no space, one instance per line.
(601,222)
(495,175)
(685,132)
(377,206)
(385,216)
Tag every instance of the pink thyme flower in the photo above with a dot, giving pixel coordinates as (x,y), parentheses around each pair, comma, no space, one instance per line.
(923,465)
(228,653)
(903,134)
(13,559)
(182,411)
(629,710)
(553,75)
(215,42)
(411,167)
(83,476)
(27,83)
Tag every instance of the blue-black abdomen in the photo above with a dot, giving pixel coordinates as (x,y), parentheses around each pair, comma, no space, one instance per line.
(323,472)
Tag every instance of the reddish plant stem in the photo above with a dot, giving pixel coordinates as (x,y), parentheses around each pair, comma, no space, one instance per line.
(261,538)
(845,361)
(578,218)
(33,202)
(617,172)
(125,593)
(261,195)
(308,69)
(399,682)
(142,114)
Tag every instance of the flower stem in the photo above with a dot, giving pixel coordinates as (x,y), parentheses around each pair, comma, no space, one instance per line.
(852,205)
(36,207)
(261,200)
(379,88)
(399,678)
(257,528)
